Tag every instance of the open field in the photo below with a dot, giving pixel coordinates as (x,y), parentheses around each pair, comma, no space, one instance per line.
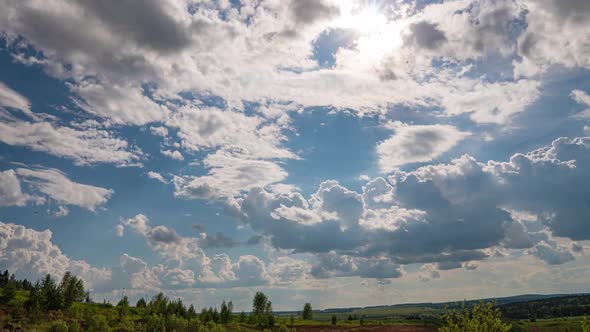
(364,328)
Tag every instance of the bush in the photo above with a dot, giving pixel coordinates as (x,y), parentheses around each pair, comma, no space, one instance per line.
(74,327)
(177,324)
(283,328)
(58,326)
(483,317)
(155,323)
(585,325)
(98,323)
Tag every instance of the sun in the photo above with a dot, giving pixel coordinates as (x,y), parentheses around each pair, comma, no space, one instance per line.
(366,21)
(377,36)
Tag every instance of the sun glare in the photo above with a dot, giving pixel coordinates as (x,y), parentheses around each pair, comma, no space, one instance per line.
(377,36)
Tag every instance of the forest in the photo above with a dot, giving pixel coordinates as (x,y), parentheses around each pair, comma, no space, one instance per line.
(66,306)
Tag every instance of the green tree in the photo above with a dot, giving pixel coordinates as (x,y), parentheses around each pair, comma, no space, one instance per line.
(72,289)
(242,318)
(191,312)
(50,294)
(176,324)
(259,303)
(33,304)
(585,324)
(307,312)
(262,310)
(225,312)
(122,308)
(155,323)
(334,320)
(141,303)
(482,317)
(8,292)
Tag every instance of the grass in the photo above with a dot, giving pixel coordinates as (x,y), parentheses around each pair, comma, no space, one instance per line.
(570,324)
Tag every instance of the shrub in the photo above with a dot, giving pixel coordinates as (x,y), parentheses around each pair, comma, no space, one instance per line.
(58,326)
(155,323)
(483,317)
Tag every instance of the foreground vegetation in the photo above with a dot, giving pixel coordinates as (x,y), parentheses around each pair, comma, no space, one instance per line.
(66,306)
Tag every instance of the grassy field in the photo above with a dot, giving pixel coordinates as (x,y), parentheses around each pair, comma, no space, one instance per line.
(569,324)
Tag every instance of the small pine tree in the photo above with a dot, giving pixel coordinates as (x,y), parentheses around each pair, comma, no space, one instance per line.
(9,292)
(334,319)
(141,303)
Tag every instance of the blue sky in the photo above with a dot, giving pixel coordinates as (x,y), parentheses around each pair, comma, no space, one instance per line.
(346,153)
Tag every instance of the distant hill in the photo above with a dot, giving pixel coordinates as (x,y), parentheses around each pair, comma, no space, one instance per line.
(557,306)
(514,307)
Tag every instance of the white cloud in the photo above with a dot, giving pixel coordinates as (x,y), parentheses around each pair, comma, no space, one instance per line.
(228,175)
(428,272)
(11,98)
(57,186)
(413,144)
(11,193)
(363,177)
(552,255)
(207,128)
(434,214)
(172,154)
(582,98)
(86,147)
(120,104)
(555,35)
(120,230)
(156,176)
(31,254)
(159,131)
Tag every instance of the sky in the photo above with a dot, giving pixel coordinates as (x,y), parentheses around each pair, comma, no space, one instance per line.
(344,153)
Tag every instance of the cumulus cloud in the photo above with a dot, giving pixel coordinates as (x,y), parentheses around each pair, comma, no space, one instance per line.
(228,175)
(172,154)
(425,35)
(428,272)
(81,41)
(434,214)
(159,131)
(334,265)
(552,255)
(120,104)
(413,144)
(555,35)
(31,254)
(191,267)
(309,11)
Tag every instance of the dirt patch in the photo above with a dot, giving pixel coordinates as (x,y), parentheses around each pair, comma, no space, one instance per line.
(365,328)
